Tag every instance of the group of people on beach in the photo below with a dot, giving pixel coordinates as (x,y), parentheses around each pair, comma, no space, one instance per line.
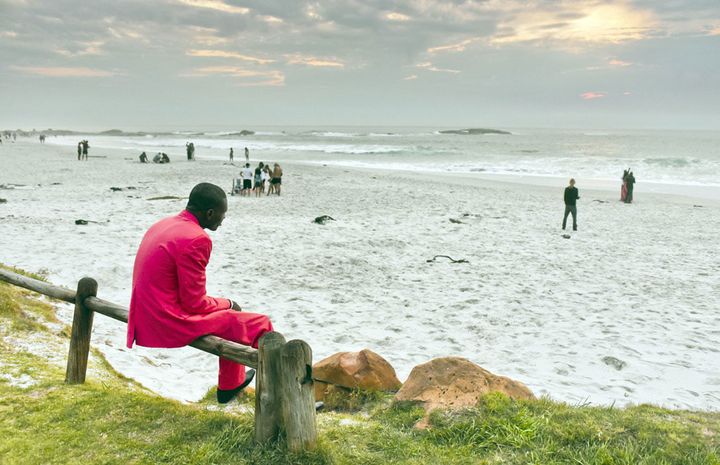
(82,149)
(160,157)
(254,180)
(247,155)
(572,194)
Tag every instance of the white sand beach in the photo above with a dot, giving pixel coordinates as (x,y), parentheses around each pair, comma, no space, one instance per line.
(638,283)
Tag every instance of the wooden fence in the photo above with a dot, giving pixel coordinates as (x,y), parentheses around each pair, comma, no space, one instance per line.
(284,394)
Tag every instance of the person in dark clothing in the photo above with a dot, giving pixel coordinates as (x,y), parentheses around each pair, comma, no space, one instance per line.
(630,181)
(571,195)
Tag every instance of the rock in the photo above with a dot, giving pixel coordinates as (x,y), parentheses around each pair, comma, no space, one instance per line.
(323,219)
(353,370)
(456,383)
(614,362)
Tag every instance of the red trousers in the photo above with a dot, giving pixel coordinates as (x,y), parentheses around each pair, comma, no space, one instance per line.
(242,327)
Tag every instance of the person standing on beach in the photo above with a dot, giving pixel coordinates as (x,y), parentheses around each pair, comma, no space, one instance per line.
(247,176)
(276,179)
(630,187)
(571,195)
(623,189)
(169,306)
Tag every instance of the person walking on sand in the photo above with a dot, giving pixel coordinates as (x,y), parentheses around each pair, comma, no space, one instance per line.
(571,195)
(232,155)
(276,178)
(630,180)
(169,306)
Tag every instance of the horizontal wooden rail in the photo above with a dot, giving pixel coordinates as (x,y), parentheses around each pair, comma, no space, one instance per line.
(56,292)
(211,344)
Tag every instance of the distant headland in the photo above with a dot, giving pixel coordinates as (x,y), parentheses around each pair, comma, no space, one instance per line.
(473,131)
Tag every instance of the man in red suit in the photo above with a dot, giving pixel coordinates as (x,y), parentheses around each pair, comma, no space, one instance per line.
(169,306)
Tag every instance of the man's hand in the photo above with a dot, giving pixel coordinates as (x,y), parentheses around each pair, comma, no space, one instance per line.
(235,306)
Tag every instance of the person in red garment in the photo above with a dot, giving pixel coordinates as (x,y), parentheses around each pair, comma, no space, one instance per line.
(169,306)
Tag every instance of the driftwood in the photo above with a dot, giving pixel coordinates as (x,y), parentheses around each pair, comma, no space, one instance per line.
(452,260)
(166,197)
(323,219)
(83,222)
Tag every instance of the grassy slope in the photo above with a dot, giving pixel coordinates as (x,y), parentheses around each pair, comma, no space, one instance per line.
(111,419)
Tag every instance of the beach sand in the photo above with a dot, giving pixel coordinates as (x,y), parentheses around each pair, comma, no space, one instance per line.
(638,283)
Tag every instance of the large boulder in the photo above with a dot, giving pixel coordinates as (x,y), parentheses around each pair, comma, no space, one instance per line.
(364,370)
(455,383)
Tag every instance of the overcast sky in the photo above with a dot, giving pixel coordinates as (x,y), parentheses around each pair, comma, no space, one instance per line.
(170,64)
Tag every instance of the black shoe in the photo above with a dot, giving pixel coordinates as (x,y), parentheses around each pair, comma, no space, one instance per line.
(226,395)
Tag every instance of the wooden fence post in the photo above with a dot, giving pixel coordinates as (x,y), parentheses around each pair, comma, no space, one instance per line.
(268,414)
(298,396)
(81,330)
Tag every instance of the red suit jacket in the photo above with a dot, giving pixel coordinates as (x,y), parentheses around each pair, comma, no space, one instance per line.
(169,306)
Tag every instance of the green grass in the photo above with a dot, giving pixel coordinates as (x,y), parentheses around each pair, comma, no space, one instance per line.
(113,420)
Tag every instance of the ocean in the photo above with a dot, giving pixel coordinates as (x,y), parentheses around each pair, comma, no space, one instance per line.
(684,158)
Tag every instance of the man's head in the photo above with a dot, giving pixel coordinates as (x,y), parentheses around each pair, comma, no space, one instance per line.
(209,204)
(572,182)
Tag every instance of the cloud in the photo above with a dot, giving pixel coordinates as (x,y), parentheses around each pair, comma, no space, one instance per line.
(430,67)
(593,95)
(88,48)
(271,19)
(61,71)
(393,16)
(249,77)
(297,59)
(585,22)
(226,54)
(217,5)
(458,47)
